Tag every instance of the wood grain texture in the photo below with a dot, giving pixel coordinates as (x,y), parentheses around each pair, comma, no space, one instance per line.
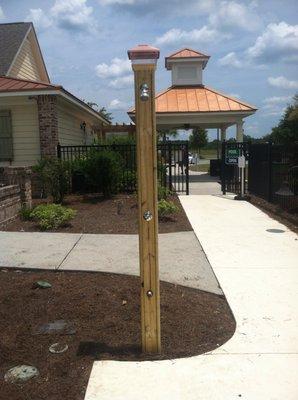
(147,201)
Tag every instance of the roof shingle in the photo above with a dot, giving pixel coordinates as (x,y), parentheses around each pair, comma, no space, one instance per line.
(11,38)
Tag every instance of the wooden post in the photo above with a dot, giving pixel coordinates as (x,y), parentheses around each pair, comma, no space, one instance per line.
(144,60)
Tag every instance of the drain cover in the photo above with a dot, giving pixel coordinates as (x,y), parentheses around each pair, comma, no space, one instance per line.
(275,230)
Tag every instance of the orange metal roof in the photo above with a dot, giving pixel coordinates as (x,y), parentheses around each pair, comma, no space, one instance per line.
(14,85)
(11,85)
(196,99)
(186,53)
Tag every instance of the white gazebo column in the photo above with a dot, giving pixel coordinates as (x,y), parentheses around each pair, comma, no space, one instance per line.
(239,131)
(223,133)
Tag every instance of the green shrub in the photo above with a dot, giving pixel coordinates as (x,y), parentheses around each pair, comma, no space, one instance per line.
(55,177)
(163,192)
(25,213)
(103,171)
(51,216)
(129,180)
(118,139)
(166,208)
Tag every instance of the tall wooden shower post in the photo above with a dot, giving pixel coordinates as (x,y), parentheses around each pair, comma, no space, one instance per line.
(144,59)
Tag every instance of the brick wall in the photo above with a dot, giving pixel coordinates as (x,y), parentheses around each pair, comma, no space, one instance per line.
(21,177)
(48,124)
(10,203)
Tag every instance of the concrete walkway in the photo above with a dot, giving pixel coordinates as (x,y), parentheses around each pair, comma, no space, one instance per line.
(258,271)
(202,183)
(182,259)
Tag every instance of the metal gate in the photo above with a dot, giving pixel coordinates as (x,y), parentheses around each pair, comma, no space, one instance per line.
(232,178)
(172,157)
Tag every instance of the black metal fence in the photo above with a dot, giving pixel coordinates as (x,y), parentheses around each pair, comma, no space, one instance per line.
(172,156)
(273,174)
(231,176)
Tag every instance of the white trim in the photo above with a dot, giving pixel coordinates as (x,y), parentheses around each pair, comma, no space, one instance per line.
(144,61)
(29,92)
(54,92)
(79,104)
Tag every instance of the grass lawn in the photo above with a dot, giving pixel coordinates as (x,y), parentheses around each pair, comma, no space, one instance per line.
(208,154)
(199,168)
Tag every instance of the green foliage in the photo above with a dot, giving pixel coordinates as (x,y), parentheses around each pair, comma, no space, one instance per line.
(102,111)
(166,208)
(198,139)
(286,132)
(163,192)
(118,139)
(25,213)
(129,180)
(103,171)
(55,177)
(52,216)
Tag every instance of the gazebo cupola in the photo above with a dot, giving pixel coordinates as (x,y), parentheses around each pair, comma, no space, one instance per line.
(187,67)
(189,102)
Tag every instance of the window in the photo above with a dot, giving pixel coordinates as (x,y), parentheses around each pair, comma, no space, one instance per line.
(187,73)
(6,150)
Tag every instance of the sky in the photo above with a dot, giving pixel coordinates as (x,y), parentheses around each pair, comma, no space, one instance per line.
(253,47)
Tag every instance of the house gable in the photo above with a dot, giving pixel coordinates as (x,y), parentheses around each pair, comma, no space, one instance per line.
(21,56)
(28,62)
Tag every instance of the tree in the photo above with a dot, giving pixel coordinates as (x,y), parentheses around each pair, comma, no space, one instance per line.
(102,111)
(286,132)
(106,114)
(163,134)
(198,139)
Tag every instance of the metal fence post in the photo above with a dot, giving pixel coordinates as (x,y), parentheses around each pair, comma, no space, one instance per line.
(187,170)
(59,151)
(170,164)
(223,169)
(269,171)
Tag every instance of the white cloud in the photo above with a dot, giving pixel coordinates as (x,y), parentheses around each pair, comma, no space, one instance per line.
(282,82)
(278,41)
(175,36)
(231,60)
(122,82)
(275,105)
(73,14)
(39,18)
(112,2)
(230,14)
(2,16)
(277,99)
(118,67)
(117,105)
(67,14)
(161,8)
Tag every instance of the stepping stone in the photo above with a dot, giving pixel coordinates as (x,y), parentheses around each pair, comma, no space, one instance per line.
(20,374)
(60,326)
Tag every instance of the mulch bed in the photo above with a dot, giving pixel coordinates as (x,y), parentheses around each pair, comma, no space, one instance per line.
(104,310)
(98,215)
(274,211)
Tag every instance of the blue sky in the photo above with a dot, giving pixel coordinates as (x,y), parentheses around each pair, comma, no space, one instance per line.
(253,47)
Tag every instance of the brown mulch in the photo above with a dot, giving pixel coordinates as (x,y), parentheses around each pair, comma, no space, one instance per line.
(276,212)
(104,310)
(98,215)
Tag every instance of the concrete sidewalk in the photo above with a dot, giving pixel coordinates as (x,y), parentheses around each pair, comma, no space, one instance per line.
(258,272)
(182,259)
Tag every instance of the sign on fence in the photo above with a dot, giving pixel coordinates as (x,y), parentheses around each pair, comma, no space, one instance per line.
(232,155)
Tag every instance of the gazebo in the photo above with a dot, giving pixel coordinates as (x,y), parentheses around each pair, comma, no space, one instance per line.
(188,103)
